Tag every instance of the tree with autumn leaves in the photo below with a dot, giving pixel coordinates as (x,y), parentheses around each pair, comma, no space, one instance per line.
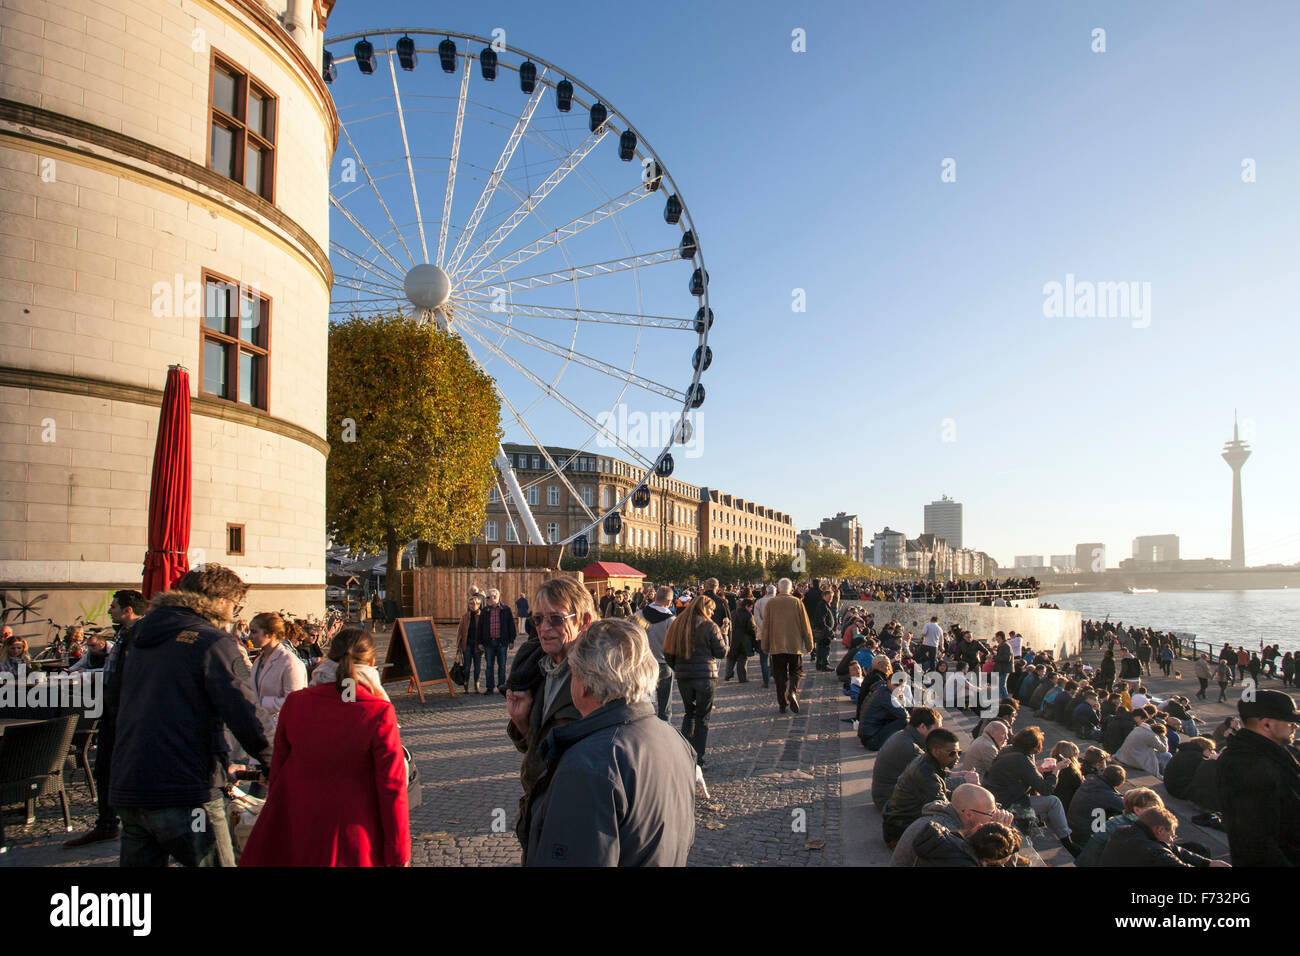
(414,426)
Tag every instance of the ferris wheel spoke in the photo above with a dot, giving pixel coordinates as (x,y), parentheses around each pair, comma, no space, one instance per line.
(374,188)
(379,247)
(569,163)
(393,309)
(595,364)
(379,273)
(546,455)
(487,290)
(553,392)
(406,149)
(503,161)
(368,286)
(455,159)
(634,319)
(560,235)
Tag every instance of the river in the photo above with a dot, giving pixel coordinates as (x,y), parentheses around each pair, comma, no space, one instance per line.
(1238,617)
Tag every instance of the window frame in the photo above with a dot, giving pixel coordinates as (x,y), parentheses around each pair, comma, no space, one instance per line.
(224,338)
(244,82)
(243,539)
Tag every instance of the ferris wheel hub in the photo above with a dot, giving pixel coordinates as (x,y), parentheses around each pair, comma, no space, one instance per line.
(427,286)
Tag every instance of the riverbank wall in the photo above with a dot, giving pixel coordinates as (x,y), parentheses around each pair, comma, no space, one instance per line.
(1042,628)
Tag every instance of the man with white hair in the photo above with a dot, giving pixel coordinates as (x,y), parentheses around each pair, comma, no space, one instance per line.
(496,633)
(619,784)
(786,635)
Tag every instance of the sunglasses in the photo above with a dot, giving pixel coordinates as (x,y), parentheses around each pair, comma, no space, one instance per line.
(554,621)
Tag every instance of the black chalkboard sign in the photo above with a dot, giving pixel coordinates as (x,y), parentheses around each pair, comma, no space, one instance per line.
(414,653)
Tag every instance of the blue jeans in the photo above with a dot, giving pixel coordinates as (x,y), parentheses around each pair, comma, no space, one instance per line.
(496,654)
(194,836)
(762,664)
(473,655)
(664,693)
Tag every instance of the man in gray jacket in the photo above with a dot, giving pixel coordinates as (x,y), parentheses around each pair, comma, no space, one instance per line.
(658,615)
(899,751)
(971,807)
(619,785)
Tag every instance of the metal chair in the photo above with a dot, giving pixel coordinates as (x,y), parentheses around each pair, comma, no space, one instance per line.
(32,759)
(84,740)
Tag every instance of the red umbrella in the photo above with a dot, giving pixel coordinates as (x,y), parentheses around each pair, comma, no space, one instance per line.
(169,490)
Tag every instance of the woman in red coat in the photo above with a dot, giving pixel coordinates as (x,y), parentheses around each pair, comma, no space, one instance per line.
(338,777)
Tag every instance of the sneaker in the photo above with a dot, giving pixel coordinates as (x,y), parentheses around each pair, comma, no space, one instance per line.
(97,835)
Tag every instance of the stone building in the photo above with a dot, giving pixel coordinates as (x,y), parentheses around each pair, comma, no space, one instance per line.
(164,198)
(680,517)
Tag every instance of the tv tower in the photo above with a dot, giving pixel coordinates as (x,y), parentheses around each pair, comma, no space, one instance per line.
(1235,454)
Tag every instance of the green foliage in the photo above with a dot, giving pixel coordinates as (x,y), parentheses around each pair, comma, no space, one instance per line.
(414,426)
(662,567)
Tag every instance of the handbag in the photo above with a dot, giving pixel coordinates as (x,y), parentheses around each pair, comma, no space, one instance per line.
(413,789)
(457,674)
(988,666)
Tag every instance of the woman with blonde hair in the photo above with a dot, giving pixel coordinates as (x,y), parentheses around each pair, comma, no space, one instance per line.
(342,736)
(467,641)
(278,671)
(692,647)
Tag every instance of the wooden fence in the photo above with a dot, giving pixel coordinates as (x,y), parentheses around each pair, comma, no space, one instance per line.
(443,593)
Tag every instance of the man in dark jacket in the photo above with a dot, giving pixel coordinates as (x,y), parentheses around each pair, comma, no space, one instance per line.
(721,607)
(1097,792)
(899,751)
(538,698)
(1086,719)
(1259,783)
(822,619)
(619,785)
(927,778)
(1150,842)
(126,609)
(185,678)
(496,634)
(1182,766)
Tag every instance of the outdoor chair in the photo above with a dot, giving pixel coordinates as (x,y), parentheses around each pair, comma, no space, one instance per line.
(32,759)
(84,740)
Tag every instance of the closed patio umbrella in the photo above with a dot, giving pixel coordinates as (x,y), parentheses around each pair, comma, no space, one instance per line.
(169,489)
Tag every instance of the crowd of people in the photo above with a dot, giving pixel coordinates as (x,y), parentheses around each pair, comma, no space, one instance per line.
(196,701)
(939,807)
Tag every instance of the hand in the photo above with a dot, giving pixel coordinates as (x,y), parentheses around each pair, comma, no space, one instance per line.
(519,703)
(1004,817)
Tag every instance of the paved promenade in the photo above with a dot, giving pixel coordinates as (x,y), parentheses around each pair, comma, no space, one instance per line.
(790,790)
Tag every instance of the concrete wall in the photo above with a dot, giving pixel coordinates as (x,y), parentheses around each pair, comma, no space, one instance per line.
(105,195)
(1043,629)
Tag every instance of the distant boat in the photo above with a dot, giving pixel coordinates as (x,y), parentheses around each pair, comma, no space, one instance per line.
(1133,590)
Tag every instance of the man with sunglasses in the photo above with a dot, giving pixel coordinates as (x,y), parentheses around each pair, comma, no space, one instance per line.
(538,696)
(952,821)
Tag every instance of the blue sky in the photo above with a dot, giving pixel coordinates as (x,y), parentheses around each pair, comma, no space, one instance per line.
(821,171)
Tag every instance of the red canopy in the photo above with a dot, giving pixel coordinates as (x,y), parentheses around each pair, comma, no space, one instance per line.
(603,570)
(169,490)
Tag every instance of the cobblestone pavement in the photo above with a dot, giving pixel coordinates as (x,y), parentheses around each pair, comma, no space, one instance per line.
(773,784)
(773,781)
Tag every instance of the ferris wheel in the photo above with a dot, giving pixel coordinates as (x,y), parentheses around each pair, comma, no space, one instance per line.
(486,190)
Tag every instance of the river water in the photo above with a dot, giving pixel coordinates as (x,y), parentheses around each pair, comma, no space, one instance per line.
(1238,617)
